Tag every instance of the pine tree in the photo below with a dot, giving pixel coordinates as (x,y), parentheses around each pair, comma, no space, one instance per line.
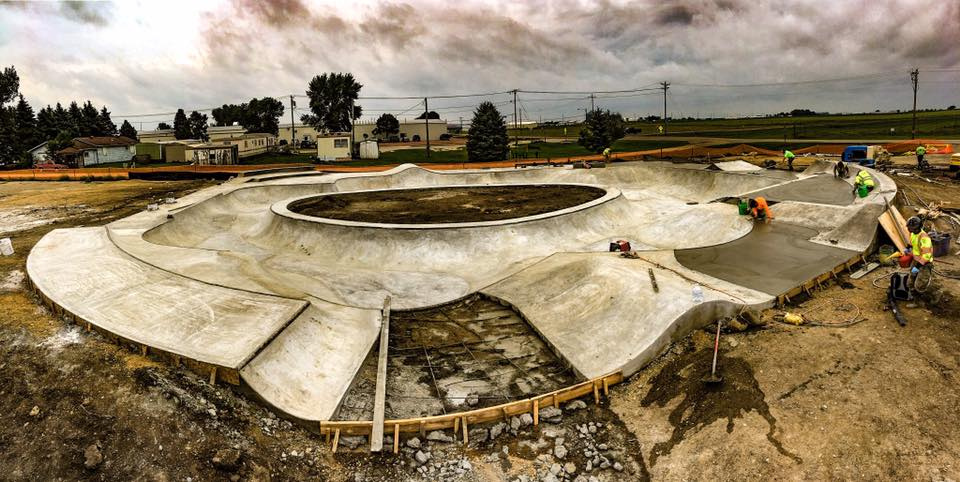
(198,126)
(601,129)
(127,130)
(26,123)
(90,125)
(181,126)
(487,139)
(74,119)
(47,127)
(104,124)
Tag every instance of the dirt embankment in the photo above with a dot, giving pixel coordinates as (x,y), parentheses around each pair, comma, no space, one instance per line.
(446,205)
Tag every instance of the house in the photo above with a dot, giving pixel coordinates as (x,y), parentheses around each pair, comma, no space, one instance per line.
(91,151)
(333,146)
(149,151)
(159,135)
(250,144)
(39,153)
(410,129)
(219,133)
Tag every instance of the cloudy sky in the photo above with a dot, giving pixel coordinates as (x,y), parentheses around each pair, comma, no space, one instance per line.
(146,57)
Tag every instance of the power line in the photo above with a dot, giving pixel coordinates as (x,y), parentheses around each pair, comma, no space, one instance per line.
(798,82)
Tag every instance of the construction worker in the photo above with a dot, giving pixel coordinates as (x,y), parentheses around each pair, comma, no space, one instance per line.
(660,128)
(921,151)
(841,170)
(606,155)
(863,179)
(921,247)
(788,156)
(760,210)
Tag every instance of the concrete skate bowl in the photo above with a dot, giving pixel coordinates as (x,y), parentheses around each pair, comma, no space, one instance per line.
(491,315)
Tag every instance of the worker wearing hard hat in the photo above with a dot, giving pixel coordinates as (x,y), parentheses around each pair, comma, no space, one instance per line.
(921,247)
(788,156)
(921,151)
(760,210)
(864,179)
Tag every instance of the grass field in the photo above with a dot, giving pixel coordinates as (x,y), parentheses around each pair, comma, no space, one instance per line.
(547,150)
(933,124)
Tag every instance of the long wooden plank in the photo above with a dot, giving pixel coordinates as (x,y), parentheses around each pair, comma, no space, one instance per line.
(890,227)
(379,401)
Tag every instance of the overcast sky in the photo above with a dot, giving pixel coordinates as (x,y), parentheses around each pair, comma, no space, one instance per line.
(141,57)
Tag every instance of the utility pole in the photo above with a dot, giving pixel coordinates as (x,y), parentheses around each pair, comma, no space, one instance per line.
(516,142)
(352,130)
(426,121)
(592,108)
(461,124)
(914,76)
(665,86)
(293,130)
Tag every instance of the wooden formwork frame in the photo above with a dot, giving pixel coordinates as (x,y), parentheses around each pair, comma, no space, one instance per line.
(818,281)
(460,422)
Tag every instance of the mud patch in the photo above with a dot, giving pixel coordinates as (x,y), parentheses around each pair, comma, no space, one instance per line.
(702,403)
(447,204)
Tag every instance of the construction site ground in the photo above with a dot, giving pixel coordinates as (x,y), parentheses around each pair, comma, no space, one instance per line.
(873,400)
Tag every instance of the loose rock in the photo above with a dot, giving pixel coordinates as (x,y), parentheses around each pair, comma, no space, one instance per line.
(551,415)
(226,459)
(92,458)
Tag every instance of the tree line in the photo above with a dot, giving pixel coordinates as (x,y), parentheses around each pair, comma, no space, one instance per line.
(333,108)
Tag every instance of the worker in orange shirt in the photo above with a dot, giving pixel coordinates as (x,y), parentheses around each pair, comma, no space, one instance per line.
(760,210)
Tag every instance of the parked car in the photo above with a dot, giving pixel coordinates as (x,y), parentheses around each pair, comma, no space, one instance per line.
(49,165)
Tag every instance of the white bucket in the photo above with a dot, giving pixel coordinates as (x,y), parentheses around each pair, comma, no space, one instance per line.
(6,247)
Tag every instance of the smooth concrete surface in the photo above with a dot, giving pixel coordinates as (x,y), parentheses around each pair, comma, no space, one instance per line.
(229,271)
(600,313)
(82,271)
(307,369)
(773,258)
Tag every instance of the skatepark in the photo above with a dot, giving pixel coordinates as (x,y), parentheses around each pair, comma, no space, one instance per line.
(238,283)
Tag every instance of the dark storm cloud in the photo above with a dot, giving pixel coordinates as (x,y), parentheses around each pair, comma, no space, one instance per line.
(253,48)
(93,13)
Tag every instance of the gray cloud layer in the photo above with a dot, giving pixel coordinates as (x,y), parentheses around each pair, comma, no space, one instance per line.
(254,48)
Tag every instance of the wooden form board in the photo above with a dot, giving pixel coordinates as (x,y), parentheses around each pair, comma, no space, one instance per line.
(379,401)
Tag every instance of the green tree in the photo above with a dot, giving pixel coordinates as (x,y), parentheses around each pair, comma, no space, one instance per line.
(333,102)
(163,126)
(89,123)
(27,134)
(227,114)
(487,138)
(9,148)
(181,125)
(262,115)
(105,125)
(127,130)
(9,85)
(198,126)
(428,115)
(387,125)
(47,126)
(74,119)
(601,129)
(63,140)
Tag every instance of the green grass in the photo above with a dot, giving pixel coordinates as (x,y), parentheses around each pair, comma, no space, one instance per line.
(277,158)
(774,146)
(932,124)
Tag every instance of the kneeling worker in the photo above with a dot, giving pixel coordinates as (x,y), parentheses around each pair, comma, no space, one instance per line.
(921,247)
(863,179)
(759,209)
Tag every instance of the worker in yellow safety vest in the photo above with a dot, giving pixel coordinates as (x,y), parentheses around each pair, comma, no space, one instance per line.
(788,156)
(921,247)
(921,151)
(606,155)
(864,179)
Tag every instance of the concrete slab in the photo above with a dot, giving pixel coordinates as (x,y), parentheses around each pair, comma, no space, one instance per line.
(600,313)
(820,189)
(305,371)
(82,271)
(773,258)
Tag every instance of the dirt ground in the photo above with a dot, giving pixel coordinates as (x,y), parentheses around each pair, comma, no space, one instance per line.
(873,400)
(446,205)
